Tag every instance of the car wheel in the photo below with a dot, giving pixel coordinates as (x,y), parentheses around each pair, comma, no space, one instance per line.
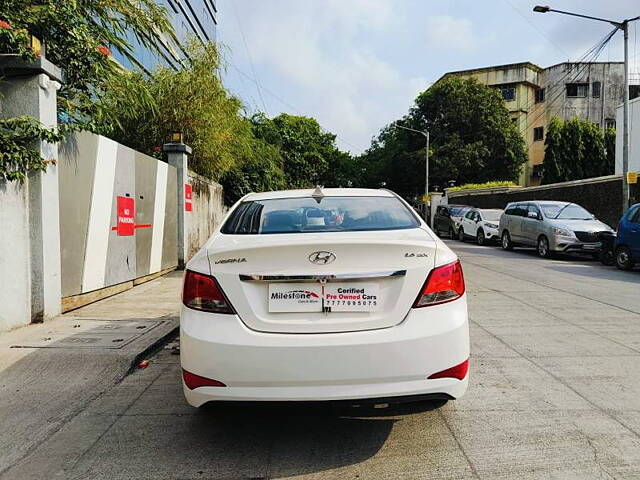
(607,257)
(480,237)
(623,258)
(461,234)
(543,247)
(506,241)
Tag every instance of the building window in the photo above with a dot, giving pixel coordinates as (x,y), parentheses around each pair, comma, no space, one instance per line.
(540,95)
(634,91)
(595,89)
(508,93)
(609,123)
(577,89)
(538,134)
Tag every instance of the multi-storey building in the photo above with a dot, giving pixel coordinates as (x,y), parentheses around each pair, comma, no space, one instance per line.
(191,19)
(533,95)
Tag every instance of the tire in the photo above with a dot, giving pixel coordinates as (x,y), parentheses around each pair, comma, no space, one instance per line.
(506,242)
(543,247)
(607,257)
(480,237)
(623,258)
(461,234)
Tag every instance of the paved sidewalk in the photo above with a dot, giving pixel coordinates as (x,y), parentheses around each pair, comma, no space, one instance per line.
(50,372)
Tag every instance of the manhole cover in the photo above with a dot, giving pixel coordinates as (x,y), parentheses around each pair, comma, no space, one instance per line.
(93,334)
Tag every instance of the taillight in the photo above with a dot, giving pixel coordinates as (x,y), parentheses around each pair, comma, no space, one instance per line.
(444,284)
(191,380)
(459,372)
(202,292)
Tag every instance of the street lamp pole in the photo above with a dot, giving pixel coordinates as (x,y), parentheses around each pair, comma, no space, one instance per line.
(425,134)
(624,26)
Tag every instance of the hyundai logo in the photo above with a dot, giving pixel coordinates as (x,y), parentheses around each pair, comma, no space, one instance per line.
(322,258)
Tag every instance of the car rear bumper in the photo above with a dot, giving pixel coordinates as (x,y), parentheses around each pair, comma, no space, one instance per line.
(385,363)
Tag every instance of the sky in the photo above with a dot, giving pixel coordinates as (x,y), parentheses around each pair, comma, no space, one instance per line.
(357,65)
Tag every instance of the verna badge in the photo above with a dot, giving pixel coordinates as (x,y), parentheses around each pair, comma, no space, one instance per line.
(322,258)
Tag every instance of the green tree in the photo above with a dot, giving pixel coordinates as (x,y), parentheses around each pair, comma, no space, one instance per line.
(309,154)
(79,36)
(553,167)
(577,149)
(610,147)
(258,173)
(473,140)
(193,101)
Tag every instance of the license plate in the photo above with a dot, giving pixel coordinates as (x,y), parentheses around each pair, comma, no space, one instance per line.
(330,297)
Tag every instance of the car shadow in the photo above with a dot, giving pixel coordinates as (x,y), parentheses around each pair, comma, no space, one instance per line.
(299,439)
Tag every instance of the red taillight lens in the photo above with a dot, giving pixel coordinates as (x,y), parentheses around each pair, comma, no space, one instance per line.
(202,292)
(191,380)
(459,372)
(444,284)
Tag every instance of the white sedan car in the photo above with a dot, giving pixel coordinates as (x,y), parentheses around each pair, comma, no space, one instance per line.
(481,225)
(322,295)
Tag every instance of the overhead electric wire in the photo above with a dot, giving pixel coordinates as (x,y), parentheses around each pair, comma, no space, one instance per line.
(246,47)
(287,104)
(583,64)
(535,27)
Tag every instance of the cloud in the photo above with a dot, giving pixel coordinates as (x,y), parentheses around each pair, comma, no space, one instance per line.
(450,33)
(316,50)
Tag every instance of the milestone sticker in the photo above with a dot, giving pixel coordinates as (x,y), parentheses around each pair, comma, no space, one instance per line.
(295,297)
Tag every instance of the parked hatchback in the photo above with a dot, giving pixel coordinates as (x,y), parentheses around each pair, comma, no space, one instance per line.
(627,243)
(480,224)
(551,227)
(335,294)
(448,218)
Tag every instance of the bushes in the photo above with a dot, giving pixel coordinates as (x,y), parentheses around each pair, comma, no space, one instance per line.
(476,186)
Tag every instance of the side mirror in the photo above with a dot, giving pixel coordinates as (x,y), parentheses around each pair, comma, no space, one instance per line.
(533,215)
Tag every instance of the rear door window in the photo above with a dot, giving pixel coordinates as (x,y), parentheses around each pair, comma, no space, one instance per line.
(330,214)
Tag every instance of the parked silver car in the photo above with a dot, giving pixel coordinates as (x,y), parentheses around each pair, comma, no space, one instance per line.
(551,227)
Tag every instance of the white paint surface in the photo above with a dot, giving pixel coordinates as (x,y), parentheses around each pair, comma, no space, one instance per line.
(155,262)
(95,260)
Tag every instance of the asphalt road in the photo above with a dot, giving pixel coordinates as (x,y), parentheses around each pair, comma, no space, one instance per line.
(554,393)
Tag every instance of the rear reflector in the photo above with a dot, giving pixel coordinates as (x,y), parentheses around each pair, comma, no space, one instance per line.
(459,372)
(444,284)
(202,292)
(191,380)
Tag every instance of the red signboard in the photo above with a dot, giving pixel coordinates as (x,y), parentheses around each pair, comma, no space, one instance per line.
(188,195)
(126,213)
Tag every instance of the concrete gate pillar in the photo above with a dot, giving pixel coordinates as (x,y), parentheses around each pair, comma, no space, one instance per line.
(177,156)
(30,89)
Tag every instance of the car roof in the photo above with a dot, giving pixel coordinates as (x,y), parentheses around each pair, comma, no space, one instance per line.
(327,192)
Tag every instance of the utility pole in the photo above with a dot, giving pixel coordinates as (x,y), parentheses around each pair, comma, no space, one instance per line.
(425,134)
(624,26)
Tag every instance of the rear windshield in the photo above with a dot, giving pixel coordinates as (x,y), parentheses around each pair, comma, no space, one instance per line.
(458,211)
(331,214)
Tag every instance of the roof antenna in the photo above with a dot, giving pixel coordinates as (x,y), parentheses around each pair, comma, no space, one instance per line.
(317,194)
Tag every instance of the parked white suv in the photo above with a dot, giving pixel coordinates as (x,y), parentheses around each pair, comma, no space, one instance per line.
(480,224)
(335,294)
